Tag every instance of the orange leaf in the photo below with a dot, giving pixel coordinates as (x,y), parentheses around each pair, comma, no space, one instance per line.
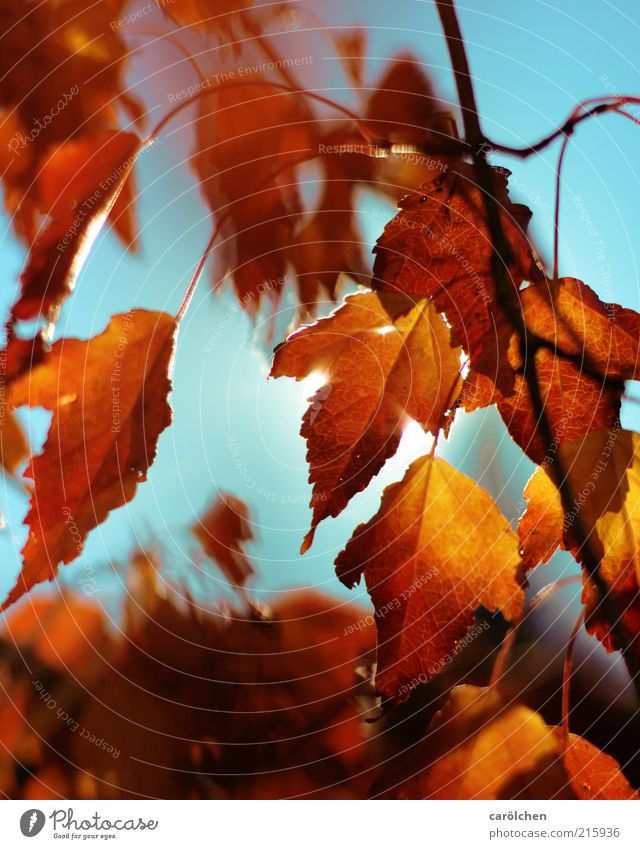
(437,549)
(386,360)
(350,47)
(108,396)
(14,447)
(403,105)
(330,243)
(201,15)
(18,356)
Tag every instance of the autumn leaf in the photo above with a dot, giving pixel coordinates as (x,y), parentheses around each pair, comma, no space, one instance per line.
(386,360)
(18,356)
(108,396)
(273,704)
(436,550)
(479,746)
(540,528)
(201,15)
(248,140)
(14,447)
(603,472)
(438,246)
(350,46)
(79,184)
(330,245)
(590,349)
(403,107)
(222,532)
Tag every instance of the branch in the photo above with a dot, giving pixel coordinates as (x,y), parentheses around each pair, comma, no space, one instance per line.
(567,129)
(507,299)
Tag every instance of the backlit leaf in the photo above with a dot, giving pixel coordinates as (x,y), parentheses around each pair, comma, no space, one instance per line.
(592,348)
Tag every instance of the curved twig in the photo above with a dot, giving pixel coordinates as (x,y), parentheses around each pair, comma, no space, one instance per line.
(600,107)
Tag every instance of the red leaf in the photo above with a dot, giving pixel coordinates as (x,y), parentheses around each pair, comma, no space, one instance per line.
(386,359)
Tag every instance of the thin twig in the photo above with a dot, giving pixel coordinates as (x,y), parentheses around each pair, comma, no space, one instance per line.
(222,219)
